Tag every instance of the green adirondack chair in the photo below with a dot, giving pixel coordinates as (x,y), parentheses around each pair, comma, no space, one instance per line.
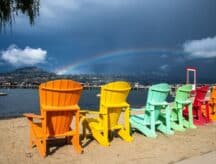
(149,121)
(178,122)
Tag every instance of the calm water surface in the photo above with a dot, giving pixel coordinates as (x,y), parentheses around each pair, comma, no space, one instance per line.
(19,101)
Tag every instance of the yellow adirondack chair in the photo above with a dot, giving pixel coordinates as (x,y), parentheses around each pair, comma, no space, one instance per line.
(58,105)
(112,103)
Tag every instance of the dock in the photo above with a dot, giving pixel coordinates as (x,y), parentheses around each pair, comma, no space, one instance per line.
(3,94)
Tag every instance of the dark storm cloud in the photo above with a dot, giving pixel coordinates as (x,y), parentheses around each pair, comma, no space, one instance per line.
(75,30)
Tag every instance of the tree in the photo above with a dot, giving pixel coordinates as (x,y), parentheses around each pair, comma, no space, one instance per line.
(11,8)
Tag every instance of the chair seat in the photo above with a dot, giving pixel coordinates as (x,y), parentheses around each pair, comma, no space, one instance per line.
(94,123)
(62,108)
(183,102)
(138,117)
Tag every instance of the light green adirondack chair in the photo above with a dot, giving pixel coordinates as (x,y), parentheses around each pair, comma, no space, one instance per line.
(178,122)
(150,120)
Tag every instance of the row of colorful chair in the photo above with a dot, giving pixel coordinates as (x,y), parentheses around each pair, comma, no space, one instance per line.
(59,105)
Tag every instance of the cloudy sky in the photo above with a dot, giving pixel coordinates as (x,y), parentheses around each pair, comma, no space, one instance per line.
(115,36)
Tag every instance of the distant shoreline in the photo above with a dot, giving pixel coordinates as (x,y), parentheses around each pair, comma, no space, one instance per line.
(9,117)
(89,87)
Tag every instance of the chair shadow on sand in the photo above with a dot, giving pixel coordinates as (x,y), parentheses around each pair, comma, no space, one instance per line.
(89,138)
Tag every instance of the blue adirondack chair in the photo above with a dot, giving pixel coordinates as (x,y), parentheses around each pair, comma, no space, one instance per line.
(150,120)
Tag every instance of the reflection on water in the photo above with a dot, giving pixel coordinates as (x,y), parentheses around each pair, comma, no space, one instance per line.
(19,101)
(11,8)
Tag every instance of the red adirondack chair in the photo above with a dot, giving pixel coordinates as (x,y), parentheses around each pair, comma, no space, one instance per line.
(200,115)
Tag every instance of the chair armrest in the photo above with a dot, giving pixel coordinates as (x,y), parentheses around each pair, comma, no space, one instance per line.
(141,108)
(158,104)
(83,112)
(122,105)
(161,90)
(32,115)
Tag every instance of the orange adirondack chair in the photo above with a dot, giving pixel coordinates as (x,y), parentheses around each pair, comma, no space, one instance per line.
(212,104)
(58,105)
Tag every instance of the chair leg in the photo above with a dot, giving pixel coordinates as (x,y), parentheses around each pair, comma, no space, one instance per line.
(102,136)
(152,121)
(208,119)
(41,146)
(127,120)
(166,129)
(203,116)
(84,127)
(75,140)
(76,143)
(200,120)
(101,139)
(68,138)
(168,121)
(105,129)
(31,135)
(146,126)
(189,123)
(200,116)
(31,141)
(151,132)
(144,129)
(177,127)
(213,112)
(125,133)
(177,120)
(181,119)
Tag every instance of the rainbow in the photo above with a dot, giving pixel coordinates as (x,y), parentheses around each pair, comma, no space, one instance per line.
(71,68)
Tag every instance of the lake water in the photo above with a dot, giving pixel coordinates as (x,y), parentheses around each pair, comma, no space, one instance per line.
(19,101)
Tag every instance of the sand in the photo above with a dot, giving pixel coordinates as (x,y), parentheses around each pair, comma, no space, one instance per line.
(14,147)
(209,158)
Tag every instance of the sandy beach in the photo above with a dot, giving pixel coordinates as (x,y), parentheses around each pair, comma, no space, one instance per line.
(14,147)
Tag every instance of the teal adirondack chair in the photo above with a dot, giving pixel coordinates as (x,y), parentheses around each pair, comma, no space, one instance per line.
(182,101)
(149,121)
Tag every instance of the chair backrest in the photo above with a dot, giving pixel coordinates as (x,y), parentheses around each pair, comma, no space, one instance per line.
(213,95)
(59,96)
(113,94)
(183,93)
(157,94)
(200,94)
